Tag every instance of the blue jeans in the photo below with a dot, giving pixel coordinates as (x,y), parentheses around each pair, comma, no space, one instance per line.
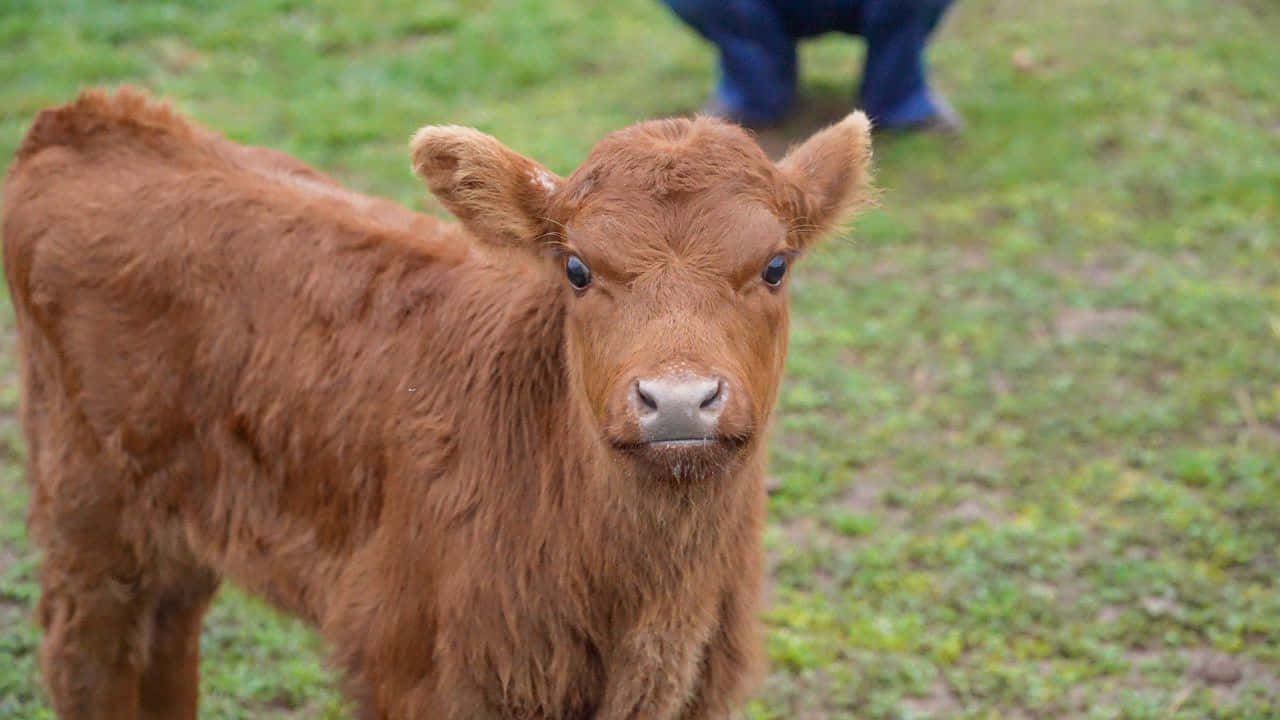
(757,43)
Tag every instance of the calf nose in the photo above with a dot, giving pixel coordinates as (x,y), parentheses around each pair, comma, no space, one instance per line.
(680,407)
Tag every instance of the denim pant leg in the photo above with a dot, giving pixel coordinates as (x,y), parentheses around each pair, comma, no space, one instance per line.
(757,54)
(895,91)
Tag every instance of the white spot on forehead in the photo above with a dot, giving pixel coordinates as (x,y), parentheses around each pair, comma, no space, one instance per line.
(544,180)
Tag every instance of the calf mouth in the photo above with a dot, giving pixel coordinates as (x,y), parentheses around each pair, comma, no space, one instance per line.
(721,442)
(685,457)
(680,443)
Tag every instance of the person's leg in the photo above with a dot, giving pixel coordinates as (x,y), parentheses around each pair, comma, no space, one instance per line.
(757,56)
(895,91)
(810,18)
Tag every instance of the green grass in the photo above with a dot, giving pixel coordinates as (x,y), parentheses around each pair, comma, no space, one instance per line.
(1029,454)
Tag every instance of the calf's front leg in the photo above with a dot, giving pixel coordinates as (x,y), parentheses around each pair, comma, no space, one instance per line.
(653,675)
(731,663)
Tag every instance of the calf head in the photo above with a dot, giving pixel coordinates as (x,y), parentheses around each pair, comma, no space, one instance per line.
(673,245)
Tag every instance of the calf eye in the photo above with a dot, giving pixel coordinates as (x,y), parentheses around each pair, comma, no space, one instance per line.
(774,271)
(578,272)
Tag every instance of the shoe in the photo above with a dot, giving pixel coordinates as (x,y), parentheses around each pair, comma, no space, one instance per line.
(944,121)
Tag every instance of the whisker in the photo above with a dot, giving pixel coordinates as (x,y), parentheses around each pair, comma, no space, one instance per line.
(554,222)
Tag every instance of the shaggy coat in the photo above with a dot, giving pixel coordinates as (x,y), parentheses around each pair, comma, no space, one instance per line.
(420,437)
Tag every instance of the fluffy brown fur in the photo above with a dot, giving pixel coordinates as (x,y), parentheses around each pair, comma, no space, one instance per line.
(411,434)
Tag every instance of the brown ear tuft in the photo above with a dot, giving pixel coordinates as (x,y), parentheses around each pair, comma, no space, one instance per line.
(499,195)
(832,171)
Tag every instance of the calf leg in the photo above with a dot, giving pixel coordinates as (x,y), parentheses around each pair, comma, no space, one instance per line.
(121,619)
(730,663)
(95,638)
(655,671)
(171,680)
(91,607)
(122,599)
(121,636)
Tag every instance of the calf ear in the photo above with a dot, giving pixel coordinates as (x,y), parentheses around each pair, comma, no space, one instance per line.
(499,195)
(832,174)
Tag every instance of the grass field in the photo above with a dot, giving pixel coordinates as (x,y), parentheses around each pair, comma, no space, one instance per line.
(1028,461)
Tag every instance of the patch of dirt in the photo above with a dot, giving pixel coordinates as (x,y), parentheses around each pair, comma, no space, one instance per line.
(1102,268)
(1260,9)
(1073,324)
(1215,668)
(12,611)
(981,465)
(1023,59)
(995,214)
(864,494)
(1108,147)
(7,559)
(801,531)
(925,381)
(974,510)
(802,694)
(1266,432)
(178,57)
(1110,614)
(941,702)
(805,533)
(1139,553)
(1162,605)
(1081,699)
(973,259)
(885,268)
(1000,384)
(1227,675)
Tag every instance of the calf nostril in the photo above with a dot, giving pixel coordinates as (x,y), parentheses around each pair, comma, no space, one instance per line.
(647,401)
(712,397)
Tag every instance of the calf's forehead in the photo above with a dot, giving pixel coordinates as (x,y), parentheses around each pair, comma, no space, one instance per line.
(715,231)
(678,155)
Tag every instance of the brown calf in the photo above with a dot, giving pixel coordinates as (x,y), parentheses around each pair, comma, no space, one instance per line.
(509,469)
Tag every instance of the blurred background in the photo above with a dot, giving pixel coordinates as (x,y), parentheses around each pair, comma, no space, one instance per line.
(1028,456)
